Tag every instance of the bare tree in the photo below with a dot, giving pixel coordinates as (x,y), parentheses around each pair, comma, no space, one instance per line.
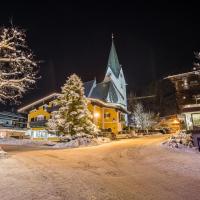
(18,69)
(142,119)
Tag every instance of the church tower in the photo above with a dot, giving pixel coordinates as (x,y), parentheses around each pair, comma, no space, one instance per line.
(114,74)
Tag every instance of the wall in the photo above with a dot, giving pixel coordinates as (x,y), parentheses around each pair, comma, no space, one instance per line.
(35,113)
(106,118)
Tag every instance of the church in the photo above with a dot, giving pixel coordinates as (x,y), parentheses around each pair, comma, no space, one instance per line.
(107,101)
(113,87)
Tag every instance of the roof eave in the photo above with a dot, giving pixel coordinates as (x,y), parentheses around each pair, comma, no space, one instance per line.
(23,109)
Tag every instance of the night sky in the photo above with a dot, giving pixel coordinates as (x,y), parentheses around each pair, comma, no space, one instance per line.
(152,40)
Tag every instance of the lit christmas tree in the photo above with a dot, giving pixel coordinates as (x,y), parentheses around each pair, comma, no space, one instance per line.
(73,116)
(18,68)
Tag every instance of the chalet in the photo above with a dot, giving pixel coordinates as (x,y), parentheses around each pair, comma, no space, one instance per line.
(187,86)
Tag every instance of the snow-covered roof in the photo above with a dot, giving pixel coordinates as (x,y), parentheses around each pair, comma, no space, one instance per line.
(88,87)
(29,106)
(6,114)
(113,62)
(108,104)
(100,91)
(105,89)
(197,72)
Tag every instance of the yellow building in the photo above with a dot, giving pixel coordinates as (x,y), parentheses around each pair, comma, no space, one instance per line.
(107,116)
(106,100)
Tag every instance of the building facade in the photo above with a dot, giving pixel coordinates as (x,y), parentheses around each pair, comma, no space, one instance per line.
(12,120)
(187,86)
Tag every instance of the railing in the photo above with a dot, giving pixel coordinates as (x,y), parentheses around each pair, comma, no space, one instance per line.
(40,123)
(51,109)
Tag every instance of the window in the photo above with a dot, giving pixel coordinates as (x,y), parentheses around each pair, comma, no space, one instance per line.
(121,117)
(196,120)
(106,115)
(40,117)
(45,107)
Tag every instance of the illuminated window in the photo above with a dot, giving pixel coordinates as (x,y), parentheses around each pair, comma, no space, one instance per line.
(40,117)
(107,115)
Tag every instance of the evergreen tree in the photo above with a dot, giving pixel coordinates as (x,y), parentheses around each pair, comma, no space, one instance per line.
(73,115)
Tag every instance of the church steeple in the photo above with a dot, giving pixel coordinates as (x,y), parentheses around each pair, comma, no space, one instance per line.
(115,77)
(113,62)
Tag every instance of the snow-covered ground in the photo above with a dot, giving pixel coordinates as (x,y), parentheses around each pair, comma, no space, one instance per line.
(122,170)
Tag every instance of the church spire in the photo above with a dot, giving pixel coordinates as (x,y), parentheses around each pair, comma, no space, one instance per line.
(113,62)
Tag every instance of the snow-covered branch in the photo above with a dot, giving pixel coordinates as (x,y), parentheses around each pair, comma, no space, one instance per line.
(142,119)
(18,68)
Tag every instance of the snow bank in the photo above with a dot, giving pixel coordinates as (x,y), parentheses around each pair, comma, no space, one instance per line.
(13,141)
(67,141)
(81,141)
(181,141)
(100,140)
(3,154)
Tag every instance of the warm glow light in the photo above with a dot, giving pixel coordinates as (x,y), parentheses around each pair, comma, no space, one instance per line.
(96,114)
(176,121)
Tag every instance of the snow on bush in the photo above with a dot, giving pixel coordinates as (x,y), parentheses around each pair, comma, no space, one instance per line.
(181,141)
(80,139)
(66,141)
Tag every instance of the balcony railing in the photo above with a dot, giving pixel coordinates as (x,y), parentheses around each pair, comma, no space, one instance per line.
(51,109)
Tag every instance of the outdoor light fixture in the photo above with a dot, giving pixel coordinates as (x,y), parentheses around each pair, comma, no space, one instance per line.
(96,114)
(175,121)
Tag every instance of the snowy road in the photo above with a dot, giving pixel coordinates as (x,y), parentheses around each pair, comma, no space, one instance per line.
(129,169)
